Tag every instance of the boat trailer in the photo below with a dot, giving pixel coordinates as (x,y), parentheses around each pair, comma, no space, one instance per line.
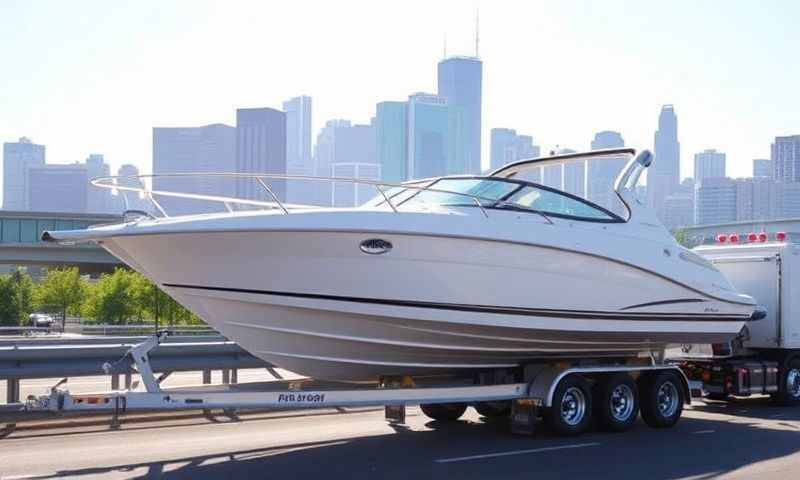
(395,393)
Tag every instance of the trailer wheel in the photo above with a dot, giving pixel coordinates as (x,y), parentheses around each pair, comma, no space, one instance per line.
(570,413)
(444,412)
(616,402)
(661,399)
(493,409)
(789,388)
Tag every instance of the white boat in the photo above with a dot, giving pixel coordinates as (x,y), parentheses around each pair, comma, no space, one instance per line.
(447,275)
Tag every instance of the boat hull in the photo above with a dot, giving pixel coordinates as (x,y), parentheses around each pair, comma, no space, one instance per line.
(315,303)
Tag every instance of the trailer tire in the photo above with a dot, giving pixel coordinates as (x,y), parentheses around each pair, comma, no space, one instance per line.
(571,410)
(444,412)
(493,409)
(789,388)
(616,402)
(662,399)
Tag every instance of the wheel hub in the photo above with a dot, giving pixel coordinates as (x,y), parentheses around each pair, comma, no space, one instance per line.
(667,399)
(793,382)
(622,402)
(573,406)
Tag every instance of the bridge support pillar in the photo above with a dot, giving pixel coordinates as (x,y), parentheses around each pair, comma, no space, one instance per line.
(226,376)
(206,377)
(12,390)
(234,375)
(114,382)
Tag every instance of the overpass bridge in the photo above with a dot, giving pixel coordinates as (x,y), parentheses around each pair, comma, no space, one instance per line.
(21,245)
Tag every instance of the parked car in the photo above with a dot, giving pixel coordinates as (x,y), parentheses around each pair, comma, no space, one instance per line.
(42,320)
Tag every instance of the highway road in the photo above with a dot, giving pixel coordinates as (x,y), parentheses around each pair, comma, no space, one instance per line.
(749,438)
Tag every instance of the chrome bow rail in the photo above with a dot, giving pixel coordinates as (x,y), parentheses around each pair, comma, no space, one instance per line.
(127,184)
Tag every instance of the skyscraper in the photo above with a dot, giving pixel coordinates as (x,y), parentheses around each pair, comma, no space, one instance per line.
(130,200)
(58,188)
(346,150)
(762,168)
(391,137)
(99,200)
(709,164)
(298,148)
(715,201)
(507,147)
(18,157)
(460,84)
(601,174)
(786,158)
(260,148)
(428,136)
(663,177)
(211,148)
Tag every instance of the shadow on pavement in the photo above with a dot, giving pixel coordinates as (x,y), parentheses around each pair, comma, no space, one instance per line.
(696,447)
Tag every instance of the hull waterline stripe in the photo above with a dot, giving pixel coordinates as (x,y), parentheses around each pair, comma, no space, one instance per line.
(664,302)
(574,314)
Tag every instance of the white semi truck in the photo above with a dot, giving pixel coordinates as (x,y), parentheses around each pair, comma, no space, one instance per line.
(766,359)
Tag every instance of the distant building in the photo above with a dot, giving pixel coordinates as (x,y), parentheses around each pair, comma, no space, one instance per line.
(391,139)
(678,211)
(428,136)
(298,148)
(211,148)
(342,143)
(346,194)
(460,84)
(786,158)
(709,164)
(507,146)
(99,199)
(58,188)
(758,199)
(601,174)
(18,157)
(715,201)
(663,176)
(260,148)
(762,168)
(125,200)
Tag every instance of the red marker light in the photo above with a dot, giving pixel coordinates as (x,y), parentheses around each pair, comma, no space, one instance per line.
(762,237)
(734,238)
(722,238)
(780,236)
(752,237)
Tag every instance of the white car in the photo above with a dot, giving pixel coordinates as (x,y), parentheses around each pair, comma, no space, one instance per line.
(41,320)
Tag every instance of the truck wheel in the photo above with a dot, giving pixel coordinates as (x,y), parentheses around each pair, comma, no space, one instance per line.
(493,409)
(661,399)
(570,413)
(789,388)
(616,402)
(444,412)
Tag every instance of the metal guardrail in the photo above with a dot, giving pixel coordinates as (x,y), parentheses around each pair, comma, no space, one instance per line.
(51,357)
(106,330)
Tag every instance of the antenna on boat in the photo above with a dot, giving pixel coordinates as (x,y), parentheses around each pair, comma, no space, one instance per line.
(477,31)
(444,49)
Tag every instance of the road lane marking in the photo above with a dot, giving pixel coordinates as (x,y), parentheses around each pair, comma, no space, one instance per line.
(514,452)
(699,432)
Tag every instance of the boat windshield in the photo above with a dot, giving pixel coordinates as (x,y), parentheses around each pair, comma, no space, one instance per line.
(498,193)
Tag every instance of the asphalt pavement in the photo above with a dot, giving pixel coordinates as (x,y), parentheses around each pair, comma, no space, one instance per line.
(749,438)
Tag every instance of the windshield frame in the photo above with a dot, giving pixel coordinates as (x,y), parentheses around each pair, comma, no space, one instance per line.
(502,204)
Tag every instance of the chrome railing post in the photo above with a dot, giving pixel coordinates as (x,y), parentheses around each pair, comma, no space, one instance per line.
(157,205)
(478,203)
(275,197)
(385,197)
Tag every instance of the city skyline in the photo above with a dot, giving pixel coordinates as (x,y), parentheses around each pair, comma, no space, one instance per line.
(125,64)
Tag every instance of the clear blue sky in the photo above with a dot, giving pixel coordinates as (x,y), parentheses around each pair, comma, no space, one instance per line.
(94,76)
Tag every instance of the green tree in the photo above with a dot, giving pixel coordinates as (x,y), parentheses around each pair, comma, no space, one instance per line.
(23,294)
(9,307)
(63,290)
(112,298)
